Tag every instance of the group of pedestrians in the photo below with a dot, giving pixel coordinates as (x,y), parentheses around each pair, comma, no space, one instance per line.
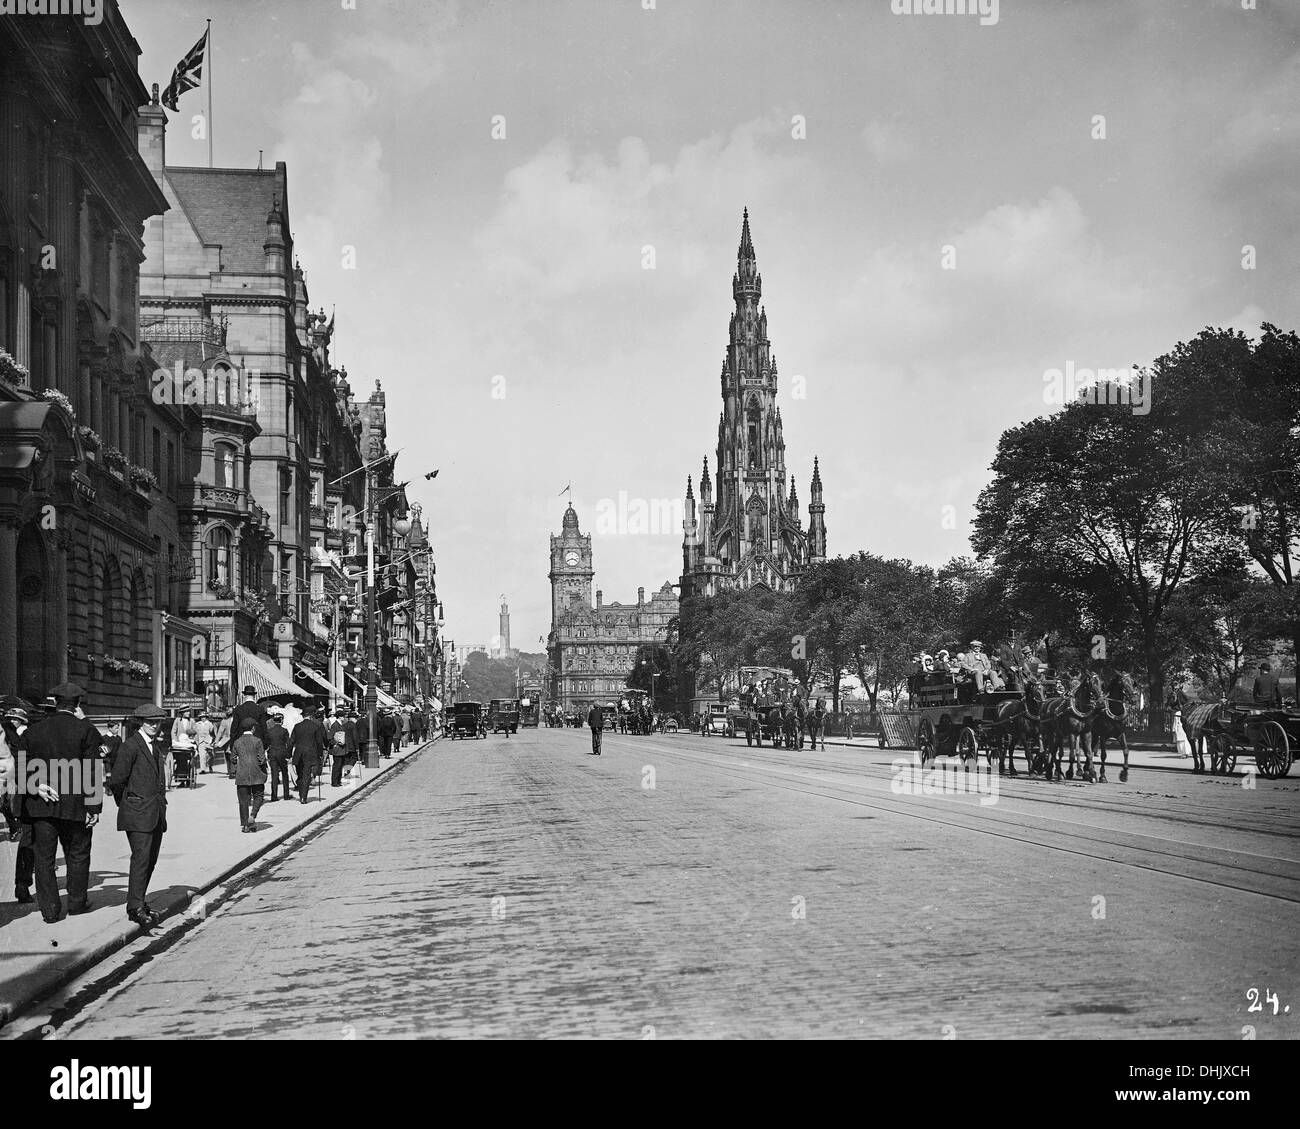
(66,763)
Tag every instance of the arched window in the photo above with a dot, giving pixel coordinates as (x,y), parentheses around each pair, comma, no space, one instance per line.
(219,548)
(225,460)
(225,386)
(753,419)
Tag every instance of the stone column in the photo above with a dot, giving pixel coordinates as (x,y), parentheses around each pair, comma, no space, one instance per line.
(8,608)
(58,603)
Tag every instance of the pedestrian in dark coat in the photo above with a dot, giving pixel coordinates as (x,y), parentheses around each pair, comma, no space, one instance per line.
(346,753)
(63,758)
(139,785)
(308,743)
(250,774)
(16,711)
(249,707)
(596,720)
(387,731)
(277,757)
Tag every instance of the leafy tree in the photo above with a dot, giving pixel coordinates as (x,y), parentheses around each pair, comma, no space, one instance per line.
(1240,405)
(895,616)
(1120,505)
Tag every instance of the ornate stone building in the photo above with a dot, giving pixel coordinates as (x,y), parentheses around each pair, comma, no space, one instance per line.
(593,645)
(90,463)
(752,534)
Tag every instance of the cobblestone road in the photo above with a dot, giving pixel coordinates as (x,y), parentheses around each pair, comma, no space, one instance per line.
(677,887)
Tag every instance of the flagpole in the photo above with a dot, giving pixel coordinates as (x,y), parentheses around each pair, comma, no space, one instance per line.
(209,86)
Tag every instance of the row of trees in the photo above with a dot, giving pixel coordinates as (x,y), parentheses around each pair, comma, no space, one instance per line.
(1160,541)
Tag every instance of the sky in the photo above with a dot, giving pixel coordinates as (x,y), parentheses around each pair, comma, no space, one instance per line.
(545,199)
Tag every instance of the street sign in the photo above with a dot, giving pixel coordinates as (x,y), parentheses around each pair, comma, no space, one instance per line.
(183,701)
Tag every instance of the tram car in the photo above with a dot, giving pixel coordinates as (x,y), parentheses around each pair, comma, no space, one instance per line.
(530,705)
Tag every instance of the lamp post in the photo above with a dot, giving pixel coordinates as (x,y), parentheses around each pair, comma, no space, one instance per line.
(652,691)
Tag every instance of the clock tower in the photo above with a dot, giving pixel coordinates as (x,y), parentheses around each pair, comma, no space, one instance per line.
(571,569)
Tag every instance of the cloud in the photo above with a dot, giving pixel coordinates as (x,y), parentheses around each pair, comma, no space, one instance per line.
(887,143)
(573,228)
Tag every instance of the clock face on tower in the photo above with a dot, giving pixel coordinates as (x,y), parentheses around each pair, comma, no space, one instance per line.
(571,559)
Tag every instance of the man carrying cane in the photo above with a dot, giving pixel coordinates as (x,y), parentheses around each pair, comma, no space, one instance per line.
(139,785)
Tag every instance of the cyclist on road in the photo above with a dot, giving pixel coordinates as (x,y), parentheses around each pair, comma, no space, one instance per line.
(596,719)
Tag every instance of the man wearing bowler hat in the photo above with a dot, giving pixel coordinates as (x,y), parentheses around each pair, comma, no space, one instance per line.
(308,743)
(139,784)
(63,808)
(249,707)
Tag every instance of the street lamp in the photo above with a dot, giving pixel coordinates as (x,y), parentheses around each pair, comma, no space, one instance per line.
(652,690)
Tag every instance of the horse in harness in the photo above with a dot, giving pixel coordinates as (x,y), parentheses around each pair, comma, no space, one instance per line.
(1111,719)
(1068,720)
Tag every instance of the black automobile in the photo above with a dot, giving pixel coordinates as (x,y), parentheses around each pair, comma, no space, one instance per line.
(503,715)
(467,720)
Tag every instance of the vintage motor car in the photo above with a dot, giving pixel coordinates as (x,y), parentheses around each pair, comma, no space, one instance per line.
(467,720)
(503,715)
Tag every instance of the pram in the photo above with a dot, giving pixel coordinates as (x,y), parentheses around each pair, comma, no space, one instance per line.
(185,763)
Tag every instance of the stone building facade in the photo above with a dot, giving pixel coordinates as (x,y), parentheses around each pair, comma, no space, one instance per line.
(90,464)
(593,645)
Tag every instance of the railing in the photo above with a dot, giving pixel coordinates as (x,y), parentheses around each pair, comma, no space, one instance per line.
(184,329)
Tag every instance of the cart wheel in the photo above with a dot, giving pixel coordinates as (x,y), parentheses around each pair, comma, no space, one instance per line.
(1223,754)
(1272,750)
(968,746)
(925,739)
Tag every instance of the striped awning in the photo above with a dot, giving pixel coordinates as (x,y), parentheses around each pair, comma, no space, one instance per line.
(321,681)
(381,696)
(265,677)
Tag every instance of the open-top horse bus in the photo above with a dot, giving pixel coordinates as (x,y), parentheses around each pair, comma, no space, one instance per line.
(758,714)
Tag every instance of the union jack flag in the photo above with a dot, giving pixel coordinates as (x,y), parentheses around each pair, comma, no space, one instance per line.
(188,73)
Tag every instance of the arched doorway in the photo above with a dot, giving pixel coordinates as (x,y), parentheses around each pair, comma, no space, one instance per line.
(38,664)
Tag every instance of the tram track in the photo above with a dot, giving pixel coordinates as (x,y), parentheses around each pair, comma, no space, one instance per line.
(1201,812)
(1265,875)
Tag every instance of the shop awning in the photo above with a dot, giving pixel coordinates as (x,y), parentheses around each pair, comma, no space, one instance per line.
(381,696)
(264,676)
(321,681)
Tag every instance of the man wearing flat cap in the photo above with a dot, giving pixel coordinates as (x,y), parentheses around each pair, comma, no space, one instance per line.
(139,784)
(63,808)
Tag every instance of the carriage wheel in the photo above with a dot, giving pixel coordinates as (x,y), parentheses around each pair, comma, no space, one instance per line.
(1223,754)
(968,746)
(1272,750)
(925,739)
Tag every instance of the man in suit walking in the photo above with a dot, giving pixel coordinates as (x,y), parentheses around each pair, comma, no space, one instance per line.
(250,775)
(139,784)
(277,756)
(344,753)
(596,719)
(63,757)
(249,707)
(308,743)
(387,730)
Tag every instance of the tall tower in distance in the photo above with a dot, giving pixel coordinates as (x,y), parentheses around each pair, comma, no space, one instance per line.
(503,631)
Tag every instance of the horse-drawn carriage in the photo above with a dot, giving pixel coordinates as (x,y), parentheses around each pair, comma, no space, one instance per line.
(768,706)
(952,720)
(1042,715)
(1230,728)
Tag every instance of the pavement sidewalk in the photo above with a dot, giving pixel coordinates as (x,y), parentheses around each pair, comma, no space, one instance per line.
(203,846)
